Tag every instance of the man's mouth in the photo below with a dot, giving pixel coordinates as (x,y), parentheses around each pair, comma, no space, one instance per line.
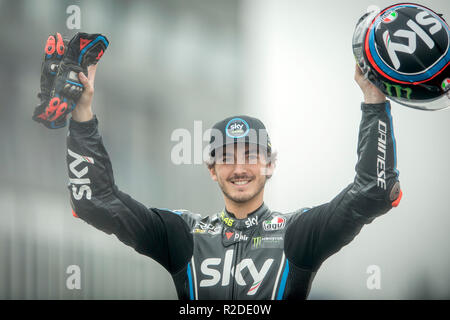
(240,182)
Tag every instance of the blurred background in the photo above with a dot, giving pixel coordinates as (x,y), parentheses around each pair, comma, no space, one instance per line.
(173,62)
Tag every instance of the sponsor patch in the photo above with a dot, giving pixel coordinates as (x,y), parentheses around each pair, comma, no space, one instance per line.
(389,16)
(266,242)
(250,222)
(226,220)
(216,273)
(274,224)
(237,128)
(202,227)
(446,84)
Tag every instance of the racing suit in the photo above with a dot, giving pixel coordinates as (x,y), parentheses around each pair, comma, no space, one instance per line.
(268,255)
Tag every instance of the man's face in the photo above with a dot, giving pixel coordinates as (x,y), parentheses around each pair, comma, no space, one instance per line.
(241,172)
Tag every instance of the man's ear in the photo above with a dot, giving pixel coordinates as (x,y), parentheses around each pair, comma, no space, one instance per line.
(212,172)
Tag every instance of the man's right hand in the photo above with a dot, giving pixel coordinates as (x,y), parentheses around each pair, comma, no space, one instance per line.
(83,110)
(69,88)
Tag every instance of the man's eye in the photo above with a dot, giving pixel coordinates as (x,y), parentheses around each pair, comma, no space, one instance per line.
(227,159)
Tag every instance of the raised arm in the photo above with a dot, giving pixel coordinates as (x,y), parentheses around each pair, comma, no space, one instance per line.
(321,231)
(159,234)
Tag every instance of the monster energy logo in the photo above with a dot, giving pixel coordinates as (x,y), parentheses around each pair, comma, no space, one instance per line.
(256,242)
(269,242)
(399,90)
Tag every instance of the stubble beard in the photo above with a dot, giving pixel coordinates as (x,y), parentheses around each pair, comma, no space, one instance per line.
(242,198)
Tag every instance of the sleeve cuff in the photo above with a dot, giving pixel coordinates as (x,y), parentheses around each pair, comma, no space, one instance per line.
(375,107)
(85,128)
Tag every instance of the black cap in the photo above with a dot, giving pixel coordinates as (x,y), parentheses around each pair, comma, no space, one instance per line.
(239,129)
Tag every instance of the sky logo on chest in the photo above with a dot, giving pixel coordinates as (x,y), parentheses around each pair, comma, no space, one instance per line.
(237,128)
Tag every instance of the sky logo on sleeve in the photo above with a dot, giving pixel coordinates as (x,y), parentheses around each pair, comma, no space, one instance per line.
(80,180)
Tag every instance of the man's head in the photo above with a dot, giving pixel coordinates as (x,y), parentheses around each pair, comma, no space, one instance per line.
(241,158)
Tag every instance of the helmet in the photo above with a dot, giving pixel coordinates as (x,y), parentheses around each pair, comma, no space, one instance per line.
(404,51)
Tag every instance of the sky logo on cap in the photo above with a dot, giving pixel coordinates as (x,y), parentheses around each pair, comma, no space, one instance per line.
(237,128)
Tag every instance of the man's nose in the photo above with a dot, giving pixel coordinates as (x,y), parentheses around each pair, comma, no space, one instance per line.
(239,156)
(240,166)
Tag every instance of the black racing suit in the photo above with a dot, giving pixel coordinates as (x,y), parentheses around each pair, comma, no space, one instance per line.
(268,255)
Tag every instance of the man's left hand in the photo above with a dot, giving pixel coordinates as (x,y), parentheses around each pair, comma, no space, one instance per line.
(371,93)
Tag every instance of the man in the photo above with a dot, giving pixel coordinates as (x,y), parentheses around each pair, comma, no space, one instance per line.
(246,251)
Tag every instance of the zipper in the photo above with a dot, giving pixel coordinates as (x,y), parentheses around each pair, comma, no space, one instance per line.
(233,281)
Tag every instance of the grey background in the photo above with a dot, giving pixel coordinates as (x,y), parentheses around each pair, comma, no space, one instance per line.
(170,63)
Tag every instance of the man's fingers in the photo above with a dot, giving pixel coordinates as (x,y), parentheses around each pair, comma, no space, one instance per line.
(83,79)
(358,72)
(91,72)
(359,76)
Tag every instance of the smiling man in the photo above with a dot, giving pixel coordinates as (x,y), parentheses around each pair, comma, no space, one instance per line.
(241,162)
(246,251)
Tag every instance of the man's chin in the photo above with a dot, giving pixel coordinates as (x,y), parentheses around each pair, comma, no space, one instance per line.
(240,198)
